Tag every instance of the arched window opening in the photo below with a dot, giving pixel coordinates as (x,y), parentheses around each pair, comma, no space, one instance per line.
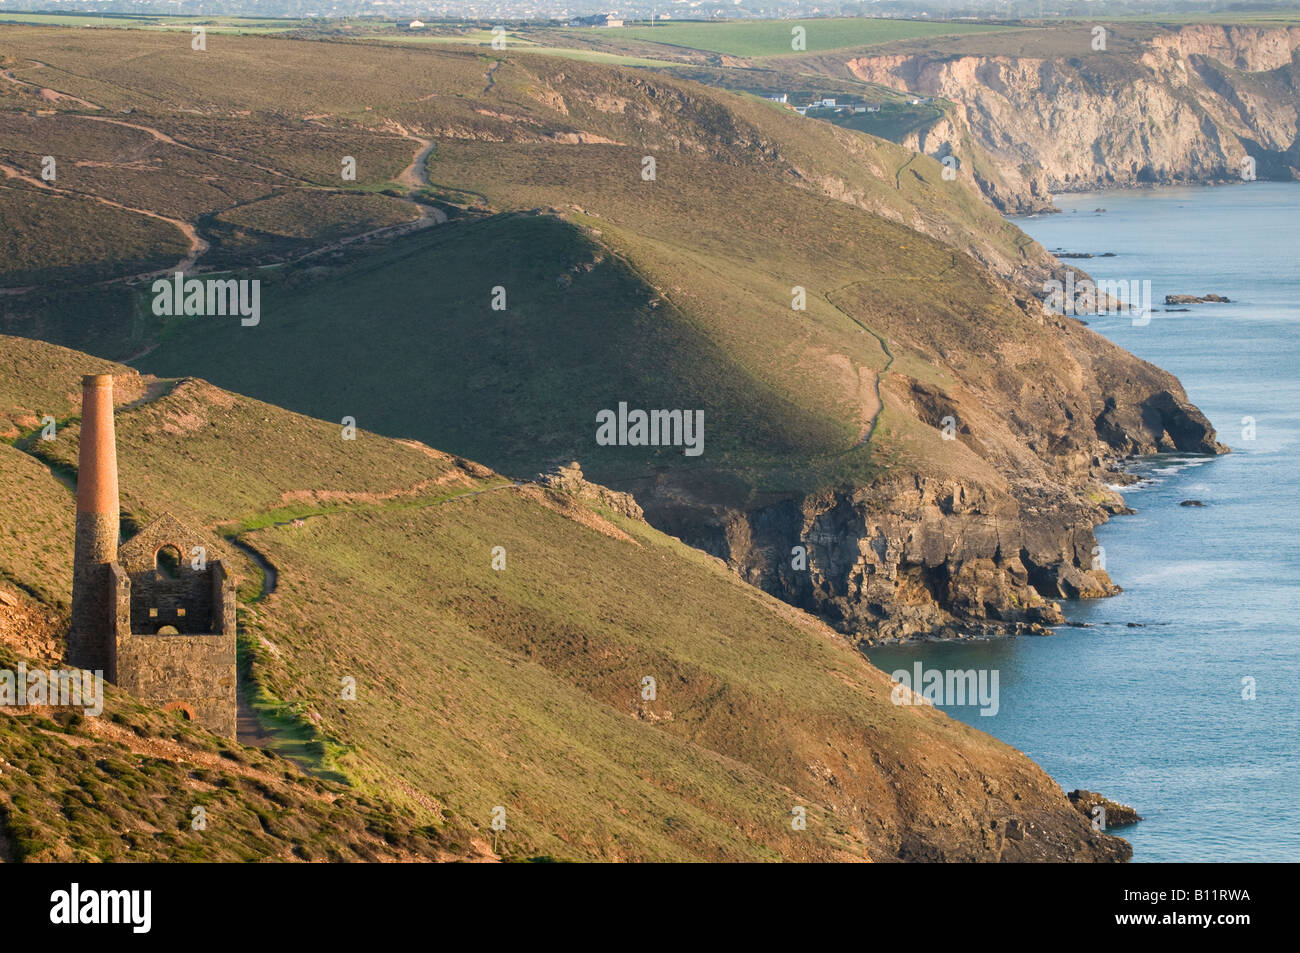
(168,562)
(182,709)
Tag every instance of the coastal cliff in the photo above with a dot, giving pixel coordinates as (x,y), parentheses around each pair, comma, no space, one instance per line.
(980,534)
(1198,104)
(882,389)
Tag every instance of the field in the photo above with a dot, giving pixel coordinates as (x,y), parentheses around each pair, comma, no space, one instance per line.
(1064,39)
(766,38)
(525,41)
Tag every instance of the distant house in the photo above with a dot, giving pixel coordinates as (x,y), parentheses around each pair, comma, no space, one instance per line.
(415,25)
(859,109)
(829,103)
(598,19)
(783,98)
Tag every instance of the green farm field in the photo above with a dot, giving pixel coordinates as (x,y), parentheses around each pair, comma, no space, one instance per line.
(752,39)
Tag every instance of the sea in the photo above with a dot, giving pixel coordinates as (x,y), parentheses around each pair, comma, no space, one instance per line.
(1181,695)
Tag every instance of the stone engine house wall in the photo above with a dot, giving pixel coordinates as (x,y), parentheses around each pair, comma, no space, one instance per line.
(191,673)
(193,670)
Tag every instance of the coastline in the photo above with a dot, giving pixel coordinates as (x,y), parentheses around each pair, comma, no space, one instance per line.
(1151,188)
(1157,697)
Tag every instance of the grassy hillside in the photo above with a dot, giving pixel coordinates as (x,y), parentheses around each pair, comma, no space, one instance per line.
(35,534)
(519,687)
(148,176)
(590,238)
(37,383)
(95,242)
(220,129)
(560,352)
(126,787)
(659,293)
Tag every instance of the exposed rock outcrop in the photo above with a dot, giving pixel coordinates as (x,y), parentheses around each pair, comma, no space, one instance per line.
(1116,814)
(1199,104)
(910,556)
(1194,299)
(569,479)
(986,526)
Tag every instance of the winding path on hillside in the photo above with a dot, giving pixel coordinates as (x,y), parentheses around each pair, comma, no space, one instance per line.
(889,362)
(160,136)
(898,175)
(884,345)
(249,729)
(414,178)
(47,94)
(197,245)
(271,575)
(416,175)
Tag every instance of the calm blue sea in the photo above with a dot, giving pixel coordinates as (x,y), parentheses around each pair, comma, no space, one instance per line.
(1153,715)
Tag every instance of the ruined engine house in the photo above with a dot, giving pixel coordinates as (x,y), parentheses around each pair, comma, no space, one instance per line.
(154,614)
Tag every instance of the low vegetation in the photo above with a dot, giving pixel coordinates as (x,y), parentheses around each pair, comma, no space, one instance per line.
(521,687)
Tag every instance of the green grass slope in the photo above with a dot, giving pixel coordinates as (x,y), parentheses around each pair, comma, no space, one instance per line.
(582,331)
(673,293)
(521,687)
(753,40)
(660,293)
(136,785)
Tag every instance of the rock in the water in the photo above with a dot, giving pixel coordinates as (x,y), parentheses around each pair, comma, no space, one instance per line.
(1117,815)
(1193,299)
(1191,503)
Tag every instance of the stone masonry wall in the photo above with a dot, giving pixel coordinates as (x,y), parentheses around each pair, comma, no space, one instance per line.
(196,671)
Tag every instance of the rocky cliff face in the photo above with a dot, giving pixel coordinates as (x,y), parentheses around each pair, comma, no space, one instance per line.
(981,535)
(1200,104)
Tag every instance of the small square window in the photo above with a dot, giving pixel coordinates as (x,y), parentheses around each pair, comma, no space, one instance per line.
(180,613)
(153,613)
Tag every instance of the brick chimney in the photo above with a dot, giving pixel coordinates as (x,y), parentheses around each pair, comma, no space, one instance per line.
(92,636)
